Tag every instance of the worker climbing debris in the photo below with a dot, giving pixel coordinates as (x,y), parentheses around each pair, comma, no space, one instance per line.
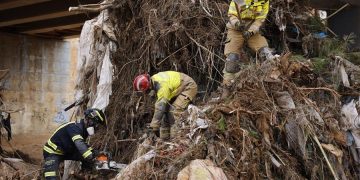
(68,143)
(245,19)
(174,92)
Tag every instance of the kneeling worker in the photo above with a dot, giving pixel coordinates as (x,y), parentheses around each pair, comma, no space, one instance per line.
(245,19)
(174,92)
(68,142)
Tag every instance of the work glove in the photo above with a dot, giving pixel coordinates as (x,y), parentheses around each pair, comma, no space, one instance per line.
(239,26)
(247,34)
(96,153)
(88,165)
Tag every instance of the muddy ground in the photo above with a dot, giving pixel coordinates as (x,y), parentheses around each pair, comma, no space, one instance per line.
(29,144)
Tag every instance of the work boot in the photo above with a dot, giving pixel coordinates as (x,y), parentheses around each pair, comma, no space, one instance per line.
(156,132)
(165,133)
(152,131)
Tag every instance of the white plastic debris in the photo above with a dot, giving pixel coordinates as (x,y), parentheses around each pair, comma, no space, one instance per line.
(284,100)
(350,116)
(97,42)
(104,88)
(202,169)
(195,121)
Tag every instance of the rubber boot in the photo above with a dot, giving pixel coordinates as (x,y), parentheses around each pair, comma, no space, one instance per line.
(165,133)
(156,132)
(228,81)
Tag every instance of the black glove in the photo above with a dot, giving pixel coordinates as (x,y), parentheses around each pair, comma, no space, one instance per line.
(247,34)
(96,153)
(87,165)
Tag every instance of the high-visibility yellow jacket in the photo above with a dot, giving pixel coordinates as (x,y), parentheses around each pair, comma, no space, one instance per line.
(256,10)
(251,9)
(166,84)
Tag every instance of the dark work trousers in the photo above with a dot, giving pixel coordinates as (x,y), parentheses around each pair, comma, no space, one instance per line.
(51,165)
(52,162)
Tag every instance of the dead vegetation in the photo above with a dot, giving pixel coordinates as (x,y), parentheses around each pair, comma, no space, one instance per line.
(283,119)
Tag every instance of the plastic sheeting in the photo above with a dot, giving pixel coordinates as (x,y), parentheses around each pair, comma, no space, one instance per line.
(96,44)
(104,89)
(201,170)
(196,120)
(94,57)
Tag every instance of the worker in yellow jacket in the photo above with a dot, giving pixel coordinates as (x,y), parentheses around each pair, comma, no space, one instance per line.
(174,92)
(245,19)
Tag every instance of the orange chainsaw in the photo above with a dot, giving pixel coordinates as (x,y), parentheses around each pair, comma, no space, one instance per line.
(103,162)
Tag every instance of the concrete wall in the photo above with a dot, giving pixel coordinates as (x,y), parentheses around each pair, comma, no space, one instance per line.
(41,81)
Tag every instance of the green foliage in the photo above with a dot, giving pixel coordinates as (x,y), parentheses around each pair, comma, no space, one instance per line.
(314,24)
(222,124)
(254,134)
(297,57)
(353,57)
(320,64)
(336,46)
(332,46)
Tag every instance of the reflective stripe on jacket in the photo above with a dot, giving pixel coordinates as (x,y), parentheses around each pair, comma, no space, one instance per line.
(166,84)
(253,9)
(67,139)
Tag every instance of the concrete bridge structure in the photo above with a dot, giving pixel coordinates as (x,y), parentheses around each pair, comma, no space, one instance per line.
(37,48)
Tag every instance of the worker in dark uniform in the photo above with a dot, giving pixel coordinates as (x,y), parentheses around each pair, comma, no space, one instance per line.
(68,142)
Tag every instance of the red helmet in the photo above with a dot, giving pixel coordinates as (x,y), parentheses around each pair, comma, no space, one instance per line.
(142,82)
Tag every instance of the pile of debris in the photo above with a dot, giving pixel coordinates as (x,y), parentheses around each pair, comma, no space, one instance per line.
(273,125)
(15,168)
(294,117)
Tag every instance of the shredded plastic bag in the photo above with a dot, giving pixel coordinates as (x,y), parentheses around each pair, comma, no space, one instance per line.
(104,88)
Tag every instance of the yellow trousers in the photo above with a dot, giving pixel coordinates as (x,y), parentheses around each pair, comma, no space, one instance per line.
(234,44)
(188,91)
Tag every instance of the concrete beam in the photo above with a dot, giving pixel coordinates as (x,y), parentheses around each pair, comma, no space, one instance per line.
(54,28)
(36,18)
(39,11)
(72,36)
(9,4)
(69,22)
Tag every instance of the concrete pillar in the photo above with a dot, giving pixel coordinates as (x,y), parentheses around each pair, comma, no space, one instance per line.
(41,81)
